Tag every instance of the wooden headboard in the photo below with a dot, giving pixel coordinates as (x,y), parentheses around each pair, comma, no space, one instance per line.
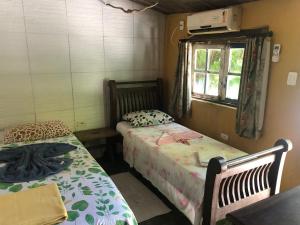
(132,96)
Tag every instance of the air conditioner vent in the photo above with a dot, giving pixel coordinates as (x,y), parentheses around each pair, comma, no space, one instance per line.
(208,30)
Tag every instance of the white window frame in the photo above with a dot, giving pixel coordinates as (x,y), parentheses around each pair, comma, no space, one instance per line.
(223,73)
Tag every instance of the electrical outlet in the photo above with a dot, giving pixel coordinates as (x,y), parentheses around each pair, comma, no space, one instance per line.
(225,137)
(181,25)
(292,78)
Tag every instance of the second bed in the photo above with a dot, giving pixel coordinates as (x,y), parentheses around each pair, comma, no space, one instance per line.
(174,159)
(204,178)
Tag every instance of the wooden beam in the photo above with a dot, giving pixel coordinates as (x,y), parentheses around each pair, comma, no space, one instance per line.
(185,6)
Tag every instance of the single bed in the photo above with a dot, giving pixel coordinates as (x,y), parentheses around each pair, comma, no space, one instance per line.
(202,193)
(173,167)
(88,193)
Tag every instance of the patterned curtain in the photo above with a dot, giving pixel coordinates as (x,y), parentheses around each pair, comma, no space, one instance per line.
(253,88)
(180,103)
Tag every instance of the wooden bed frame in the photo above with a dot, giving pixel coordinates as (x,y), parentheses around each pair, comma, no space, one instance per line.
(229,185)
(132,96)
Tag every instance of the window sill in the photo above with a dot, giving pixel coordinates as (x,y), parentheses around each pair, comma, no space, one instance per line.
(216,103)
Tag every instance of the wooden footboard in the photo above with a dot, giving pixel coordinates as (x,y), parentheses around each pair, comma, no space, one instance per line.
(240,182)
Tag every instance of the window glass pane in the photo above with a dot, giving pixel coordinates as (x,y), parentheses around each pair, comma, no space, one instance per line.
(200,59)
(233,86)
(214,60)
(236,57)
(199,82)
(212,84)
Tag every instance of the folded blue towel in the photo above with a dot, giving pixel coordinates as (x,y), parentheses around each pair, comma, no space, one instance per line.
(33,162)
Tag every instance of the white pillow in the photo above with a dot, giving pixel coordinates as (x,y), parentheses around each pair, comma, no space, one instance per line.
(146,118)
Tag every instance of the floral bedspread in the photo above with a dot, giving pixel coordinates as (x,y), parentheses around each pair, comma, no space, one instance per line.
(89,195)
(170,157)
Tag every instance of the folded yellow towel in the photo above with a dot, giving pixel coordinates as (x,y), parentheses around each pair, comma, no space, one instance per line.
(38,206)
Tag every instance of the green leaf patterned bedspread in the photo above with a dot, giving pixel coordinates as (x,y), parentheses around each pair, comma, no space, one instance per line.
(89,195)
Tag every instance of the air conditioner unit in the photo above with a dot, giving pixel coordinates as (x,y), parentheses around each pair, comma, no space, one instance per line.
(215,21)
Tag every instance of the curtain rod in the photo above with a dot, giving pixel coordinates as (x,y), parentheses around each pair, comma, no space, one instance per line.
(259,32)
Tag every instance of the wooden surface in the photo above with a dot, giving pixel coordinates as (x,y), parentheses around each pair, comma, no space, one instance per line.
(96,134)
(281,209)
(176,6)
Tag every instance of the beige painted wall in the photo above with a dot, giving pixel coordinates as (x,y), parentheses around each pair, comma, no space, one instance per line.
(283,108)
(55,54)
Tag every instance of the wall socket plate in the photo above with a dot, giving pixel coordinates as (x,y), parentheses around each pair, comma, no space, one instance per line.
(181,25)
(225,137)
(292,79)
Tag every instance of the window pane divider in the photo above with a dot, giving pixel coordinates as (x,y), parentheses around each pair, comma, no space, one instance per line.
(223,77)
(234,74)
(205,75)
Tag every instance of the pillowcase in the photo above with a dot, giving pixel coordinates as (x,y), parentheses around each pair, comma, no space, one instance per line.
(146,118)
(36,131)
(23,133)
(55,128)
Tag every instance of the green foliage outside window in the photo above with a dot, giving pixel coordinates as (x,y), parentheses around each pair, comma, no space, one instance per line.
(201,59)
(209,62)
(213,84)
(214,60)
(236,62)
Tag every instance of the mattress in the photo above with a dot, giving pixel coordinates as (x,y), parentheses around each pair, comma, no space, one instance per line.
(169,156)
(89,195)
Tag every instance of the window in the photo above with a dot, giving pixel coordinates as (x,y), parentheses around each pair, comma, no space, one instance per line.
(216,71)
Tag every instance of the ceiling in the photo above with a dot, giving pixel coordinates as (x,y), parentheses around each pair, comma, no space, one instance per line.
(180,6)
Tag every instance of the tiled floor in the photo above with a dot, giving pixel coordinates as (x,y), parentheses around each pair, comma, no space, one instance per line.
(173,218)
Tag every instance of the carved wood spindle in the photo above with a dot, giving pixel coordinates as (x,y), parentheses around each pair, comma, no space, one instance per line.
(234,184)
(267,175)
(229,189)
